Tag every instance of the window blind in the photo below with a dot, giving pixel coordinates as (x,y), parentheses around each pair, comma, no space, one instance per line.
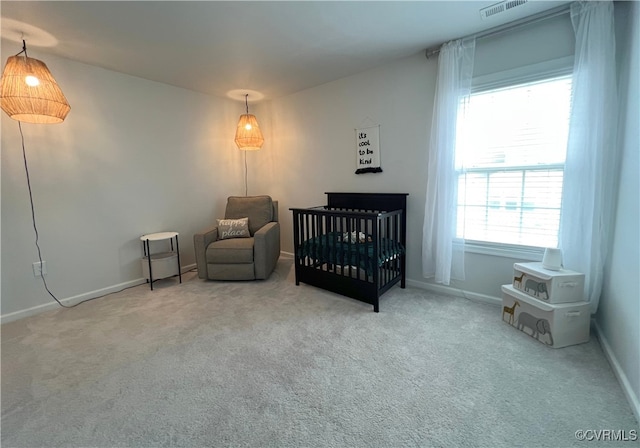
(510,154)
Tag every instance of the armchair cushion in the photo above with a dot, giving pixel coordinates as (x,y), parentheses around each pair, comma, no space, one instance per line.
(231,251)
(259,210)
(233,228)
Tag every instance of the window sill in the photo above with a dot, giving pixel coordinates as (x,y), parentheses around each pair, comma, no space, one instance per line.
(527,253)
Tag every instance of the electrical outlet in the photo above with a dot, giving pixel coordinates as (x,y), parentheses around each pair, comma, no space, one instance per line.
(39,269)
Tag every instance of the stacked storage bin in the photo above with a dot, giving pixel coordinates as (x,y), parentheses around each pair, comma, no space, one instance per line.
(547,305)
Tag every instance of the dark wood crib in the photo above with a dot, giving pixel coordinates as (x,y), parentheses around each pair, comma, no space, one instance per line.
(354,245)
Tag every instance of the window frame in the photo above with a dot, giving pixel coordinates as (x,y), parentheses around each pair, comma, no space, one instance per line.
(546,70)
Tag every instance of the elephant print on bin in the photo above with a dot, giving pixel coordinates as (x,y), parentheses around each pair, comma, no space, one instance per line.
(537,326)
(537,287)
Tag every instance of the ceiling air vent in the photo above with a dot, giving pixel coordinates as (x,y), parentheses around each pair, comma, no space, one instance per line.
(501,7)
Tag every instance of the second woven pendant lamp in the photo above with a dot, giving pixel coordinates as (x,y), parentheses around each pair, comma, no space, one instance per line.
(248,134)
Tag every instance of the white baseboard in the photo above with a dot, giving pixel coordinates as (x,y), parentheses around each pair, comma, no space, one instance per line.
(448,290)
(188,268)
(10,317)
(440,289)
(632,398)
(69,300)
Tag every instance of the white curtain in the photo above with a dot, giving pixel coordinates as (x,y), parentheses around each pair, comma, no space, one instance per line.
(590,171)
(441,258)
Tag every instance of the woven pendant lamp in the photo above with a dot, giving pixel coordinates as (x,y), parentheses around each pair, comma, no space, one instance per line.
(29,93)
(248,134)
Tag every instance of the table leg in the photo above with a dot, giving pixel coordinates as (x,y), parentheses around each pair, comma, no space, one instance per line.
(178,252)
(149,260)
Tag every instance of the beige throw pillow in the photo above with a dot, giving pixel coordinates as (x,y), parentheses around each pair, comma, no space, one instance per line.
(233,228)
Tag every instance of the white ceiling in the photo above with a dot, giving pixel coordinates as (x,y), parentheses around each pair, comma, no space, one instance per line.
(215,47)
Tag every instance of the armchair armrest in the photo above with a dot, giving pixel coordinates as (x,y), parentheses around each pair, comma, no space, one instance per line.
(266,249)
(200,242)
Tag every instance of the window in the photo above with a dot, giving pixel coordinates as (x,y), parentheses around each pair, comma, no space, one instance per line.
(510,154)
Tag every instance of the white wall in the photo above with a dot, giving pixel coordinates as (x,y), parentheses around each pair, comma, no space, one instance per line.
(618,316)
(310,138)
(132,157)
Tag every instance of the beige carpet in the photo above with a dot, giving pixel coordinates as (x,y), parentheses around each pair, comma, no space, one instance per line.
(271,364)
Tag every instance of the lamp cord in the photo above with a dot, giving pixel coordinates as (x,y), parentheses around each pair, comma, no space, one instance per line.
(33,217)
(246,185)
(24,49)
(35,229)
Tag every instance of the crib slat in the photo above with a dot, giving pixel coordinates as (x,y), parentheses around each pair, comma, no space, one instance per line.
(334,228)
(395,238)
(359,246)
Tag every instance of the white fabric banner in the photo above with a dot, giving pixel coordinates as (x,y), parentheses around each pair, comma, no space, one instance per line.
(368,150)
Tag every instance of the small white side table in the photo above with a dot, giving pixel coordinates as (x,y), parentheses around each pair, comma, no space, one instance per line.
(163,264)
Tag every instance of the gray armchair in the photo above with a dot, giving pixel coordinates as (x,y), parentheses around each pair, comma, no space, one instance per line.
(249,258)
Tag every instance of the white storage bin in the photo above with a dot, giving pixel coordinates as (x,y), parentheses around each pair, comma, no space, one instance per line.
(163,265)
(561,286)
(557,325)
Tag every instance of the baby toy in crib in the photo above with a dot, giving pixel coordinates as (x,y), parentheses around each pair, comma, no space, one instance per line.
(351,237)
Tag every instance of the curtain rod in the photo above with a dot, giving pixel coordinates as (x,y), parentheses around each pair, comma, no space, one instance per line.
(544,15)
